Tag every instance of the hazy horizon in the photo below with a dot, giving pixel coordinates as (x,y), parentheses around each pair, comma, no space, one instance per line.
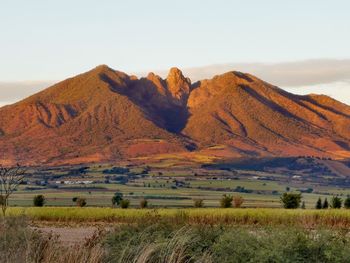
(323,76)
(297,45)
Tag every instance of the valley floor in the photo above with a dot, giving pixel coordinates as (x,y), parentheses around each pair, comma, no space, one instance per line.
(169,183)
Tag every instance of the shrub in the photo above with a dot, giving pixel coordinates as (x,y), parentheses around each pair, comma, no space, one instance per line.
(116,170)
(162,242)
(117,198)
(279,245)
(143,203)
(226,201)
(303,205)
(2,200)
(347,202)
(336,202)
(198,203)
(81,202)
(39,200)
(238,201)
(318,203)
(325,204)
(291,200)
(74,199)
(124,203)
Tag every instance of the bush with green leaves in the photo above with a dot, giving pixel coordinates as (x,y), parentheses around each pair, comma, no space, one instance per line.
(336,202)
(347,202)
(39,200)
(226,201)
(81,202)
(163,242)
(117,198)
(325,204)
(125,203)
(318,203)
(291,200)
(198,203)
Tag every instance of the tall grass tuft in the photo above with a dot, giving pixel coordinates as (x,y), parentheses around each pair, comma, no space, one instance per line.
(19,243)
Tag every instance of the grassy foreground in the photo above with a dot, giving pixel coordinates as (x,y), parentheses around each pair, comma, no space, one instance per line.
(177,243)
(208,216)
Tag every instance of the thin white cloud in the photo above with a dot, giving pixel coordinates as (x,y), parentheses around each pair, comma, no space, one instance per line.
(287,74)
(322,76)
(11,92)
(337,90)
(325,76)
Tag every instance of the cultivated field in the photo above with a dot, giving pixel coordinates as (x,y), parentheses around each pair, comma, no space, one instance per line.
(171,183)
(208,216)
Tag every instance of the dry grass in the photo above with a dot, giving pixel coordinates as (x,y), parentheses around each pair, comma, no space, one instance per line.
(207,216)
(18,243)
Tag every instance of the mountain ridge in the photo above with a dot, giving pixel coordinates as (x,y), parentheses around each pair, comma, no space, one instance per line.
(106,115)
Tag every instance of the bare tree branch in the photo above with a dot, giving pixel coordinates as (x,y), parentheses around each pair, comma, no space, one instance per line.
(10,178)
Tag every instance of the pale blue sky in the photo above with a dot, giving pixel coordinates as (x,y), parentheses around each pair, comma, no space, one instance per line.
(47,39)
(43,41)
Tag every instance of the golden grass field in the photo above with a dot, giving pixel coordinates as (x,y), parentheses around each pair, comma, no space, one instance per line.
(209,216)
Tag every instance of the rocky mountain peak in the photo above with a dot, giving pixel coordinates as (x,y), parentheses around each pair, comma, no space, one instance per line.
(178,85)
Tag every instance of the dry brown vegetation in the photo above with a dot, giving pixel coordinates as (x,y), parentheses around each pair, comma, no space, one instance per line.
(333,218)
(19,243)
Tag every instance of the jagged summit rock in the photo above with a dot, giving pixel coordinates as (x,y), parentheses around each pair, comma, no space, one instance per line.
(178,85)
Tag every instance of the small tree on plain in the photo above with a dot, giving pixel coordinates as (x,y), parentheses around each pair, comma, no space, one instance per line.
(143,203)
(226,201)
(303,206)
(347,202)
(318,203)
(10,178)
(336,202)
(198,203)
(39,200)
(117,198)
(81,202)
(291,200)
(325,204)
(238,201)
(124,203)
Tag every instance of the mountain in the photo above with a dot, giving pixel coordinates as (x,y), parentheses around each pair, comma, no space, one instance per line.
(105,115)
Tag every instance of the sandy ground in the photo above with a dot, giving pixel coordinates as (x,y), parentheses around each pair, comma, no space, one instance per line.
(69,235)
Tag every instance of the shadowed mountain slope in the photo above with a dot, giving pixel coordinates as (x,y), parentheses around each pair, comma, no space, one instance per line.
(105,115)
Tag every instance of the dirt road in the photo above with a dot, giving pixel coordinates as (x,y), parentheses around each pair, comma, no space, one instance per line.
(69,235)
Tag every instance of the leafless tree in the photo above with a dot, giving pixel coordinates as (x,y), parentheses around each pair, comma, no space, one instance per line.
(238,201)
(10,178)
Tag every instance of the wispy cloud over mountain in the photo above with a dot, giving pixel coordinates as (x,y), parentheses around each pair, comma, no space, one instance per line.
(287,74)
(326,76)
(11,92)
